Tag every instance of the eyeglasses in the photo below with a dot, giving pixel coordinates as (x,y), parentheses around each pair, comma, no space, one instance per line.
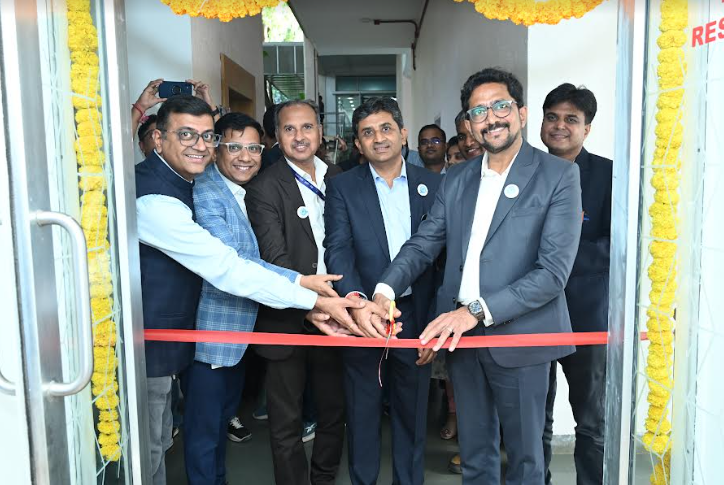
(432,141)
(189,138)
(253,149)
(501,109)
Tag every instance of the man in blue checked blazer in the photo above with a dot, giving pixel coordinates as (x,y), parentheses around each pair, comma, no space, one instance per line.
(213,383)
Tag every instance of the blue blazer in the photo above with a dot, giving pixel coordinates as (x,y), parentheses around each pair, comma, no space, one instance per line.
(528,255)
(356,242)
(218,212)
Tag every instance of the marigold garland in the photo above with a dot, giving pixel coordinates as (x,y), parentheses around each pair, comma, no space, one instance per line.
(531,12)
(224,10)
(85,83)
(663,212)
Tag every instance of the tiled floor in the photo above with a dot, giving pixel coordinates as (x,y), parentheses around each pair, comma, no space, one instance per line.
(251,464)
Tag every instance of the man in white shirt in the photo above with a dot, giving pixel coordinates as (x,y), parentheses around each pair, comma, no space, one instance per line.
(176,253)
(510,222)
(286,209)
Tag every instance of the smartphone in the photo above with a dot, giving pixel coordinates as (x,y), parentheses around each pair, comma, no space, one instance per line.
(172,88)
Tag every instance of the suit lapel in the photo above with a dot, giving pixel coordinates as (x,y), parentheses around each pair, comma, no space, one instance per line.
(520,174)
(245,226)
(583,160)
(368,192)
(417,209)
(468,201)
(289,185)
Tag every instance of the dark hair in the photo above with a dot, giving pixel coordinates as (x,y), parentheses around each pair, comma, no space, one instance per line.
(182,104)
(580,97)
(373,106)
(492,75)
(296,102)
(461,116)
(430,127)
(269,127)
(237,122)
(143,129)
(453,141)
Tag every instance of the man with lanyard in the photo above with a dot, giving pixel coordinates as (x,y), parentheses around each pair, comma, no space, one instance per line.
(286,210)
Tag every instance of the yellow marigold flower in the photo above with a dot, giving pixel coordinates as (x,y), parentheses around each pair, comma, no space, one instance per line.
(83,115)
(672,38)
(108,415)
(658,426)
(656,443)
(107,402)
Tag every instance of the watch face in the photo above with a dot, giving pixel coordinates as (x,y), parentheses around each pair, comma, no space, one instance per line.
(475,307)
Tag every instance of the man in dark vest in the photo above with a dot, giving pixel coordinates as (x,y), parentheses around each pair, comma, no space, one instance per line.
(176,254)
(567,115)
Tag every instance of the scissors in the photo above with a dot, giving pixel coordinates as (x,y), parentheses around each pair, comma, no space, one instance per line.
(391,326)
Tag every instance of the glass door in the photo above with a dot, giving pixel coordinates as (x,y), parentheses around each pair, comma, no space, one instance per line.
(79,339)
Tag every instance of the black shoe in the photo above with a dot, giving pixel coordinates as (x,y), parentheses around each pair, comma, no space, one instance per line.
(236,431)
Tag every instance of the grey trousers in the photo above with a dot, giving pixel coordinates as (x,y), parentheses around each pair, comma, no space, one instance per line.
(160,421)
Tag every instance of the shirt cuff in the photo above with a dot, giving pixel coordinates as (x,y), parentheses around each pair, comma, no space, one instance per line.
(384,290)
(298,280)
(488,321)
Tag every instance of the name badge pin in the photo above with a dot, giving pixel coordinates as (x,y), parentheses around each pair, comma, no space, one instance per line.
(422,190)
(511,191)
(302,212)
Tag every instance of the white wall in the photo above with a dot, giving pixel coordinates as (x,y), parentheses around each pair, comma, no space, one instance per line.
(174,47)
(159,44)
(240,40)
(311,86)
(455,42)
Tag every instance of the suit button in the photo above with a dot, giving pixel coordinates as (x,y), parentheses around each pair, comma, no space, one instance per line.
(461,267)
(455,300)
(314,265)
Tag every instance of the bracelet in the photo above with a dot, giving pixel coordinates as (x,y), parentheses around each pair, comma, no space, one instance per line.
(135,106)
(217,111)
(358,294)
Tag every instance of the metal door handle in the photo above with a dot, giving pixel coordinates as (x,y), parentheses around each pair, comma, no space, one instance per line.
(82,296)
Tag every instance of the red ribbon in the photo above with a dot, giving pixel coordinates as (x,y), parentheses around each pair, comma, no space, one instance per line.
(259,338)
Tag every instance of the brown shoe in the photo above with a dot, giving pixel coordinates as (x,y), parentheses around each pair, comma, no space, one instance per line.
(454,465)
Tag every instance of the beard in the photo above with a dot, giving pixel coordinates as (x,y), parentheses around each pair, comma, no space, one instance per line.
(490,148)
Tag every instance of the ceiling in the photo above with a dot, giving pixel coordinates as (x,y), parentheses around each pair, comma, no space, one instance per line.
(338,27)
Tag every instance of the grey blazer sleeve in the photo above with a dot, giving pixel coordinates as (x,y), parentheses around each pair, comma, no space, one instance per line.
(421,250)
(556,254)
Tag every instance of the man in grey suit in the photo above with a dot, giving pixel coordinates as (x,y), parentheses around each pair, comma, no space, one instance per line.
(510,221)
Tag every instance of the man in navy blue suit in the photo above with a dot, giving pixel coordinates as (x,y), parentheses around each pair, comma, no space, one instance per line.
(567,115)
(370,212)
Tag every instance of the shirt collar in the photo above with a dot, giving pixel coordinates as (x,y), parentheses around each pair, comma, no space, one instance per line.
(487,172)
(169,167)
(320,170)
(233,186)
(403,172)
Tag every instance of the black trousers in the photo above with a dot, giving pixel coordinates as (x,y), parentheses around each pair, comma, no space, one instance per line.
(285,383)
(585,372)
(408,386)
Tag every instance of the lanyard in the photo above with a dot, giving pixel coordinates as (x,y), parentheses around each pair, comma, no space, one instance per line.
(307,184)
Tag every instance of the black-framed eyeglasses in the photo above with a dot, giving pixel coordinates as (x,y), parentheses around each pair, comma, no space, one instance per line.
(431,141)
(189,138)
(501,109)
(253,149)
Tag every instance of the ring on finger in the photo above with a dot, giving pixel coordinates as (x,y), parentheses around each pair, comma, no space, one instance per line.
(450,329)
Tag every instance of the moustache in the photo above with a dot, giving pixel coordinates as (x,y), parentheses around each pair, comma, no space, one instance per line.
(495,126)
(300,144)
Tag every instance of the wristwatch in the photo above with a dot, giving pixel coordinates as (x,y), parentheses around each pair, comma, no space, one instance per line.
(476,309)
